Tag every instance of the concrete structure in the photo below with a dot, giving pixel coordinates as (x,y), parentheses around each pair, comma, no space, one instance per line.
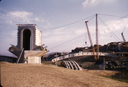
(29,37)
(82,54)
(29,45)
(71,65)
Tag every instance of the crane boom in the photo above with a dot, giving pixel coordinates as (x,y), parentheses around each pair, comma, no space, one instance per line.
(124,41)
(123,37)
(91,41)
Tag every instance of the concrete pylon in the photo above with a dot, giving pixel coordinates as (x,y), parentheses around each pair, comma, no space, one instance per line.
(29,38)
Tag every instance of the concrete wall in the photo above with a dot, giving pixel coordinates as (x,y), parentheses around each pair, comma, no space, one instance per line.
(35,39)
(34,60)
(38,38)
(21,28)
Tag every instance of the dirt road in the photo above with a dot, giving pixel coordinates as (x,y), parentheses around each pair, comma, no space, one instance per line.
(28,75)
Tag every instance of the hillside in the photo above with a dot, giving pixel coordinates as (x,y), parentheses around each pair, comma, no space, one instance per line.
(28,75)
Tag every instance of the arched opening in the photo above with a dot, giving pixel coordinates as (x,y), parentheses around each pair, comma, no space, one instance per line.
(26,39)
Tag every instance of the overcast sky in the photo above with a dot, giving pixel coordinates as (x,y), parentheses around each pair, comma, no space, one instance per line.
(62,22)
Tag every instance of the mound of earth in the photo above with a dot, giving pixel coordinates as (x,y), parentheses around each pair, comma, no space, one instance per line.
(30,75)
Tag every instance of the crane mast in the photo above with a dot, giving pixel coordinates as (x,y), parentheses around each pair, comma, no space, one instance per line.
(93,50)
(97,42)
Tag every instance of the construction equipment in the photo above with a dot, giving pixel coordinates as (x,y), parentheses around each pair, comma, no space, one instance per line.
(124,41)
(96,55)
(93,50)
(123,37)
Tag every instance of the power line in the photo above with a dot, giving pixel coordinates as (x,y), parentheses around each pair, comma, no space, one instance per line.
(110,15)
(116,20)
(125,26)
(71,23)
(73,38)
(91,17)
(67,41)
(109,29)
(114,35)
(113,21)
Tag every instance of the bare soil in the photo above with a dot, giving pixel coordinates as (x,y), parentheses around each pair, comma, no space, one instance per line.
(30,75)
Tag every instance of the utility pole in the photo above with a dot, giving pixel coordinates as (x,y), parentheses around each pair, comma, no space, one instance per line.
(97,42)
(93,50)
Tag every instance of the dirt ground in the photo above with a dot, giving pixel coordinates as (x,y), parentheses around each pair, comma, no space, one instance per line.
(30,75)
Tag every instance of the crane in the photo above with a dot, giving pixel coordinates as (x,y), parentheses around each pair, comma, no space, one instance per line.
(93,50)
(123,37)
(96,57)
(124,41)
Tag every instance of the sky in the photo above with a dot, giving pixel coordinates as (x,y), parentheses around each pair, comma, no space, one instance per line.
(62,22)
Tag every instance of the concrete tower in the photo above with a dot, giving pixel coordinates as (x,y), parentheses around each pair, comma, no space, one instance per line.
(29,44)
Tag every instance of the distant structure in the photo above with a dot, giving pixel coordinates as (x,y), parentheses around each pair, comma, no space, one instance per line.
(29,44)
(110,47)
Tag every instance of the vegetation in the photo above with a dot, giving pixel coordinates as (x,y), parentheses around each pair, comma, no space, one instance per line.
(122,80)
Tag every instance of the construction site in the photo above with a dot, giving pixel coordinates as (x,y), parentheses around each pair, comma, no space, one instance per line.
(113,55)
(63,43)
(92,66)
